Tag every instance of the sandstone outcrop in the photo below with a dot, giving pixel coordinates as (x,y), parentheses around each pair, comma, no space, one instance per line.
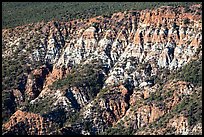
(29,123)
(135,49)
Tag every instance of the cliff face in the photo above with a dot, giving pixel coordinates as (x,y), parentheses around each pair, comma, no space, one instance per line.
(130,54)
(28,124)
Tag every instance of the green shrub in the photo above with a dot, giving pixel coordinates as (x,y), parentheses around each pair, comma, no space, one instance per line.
(186,21)
(87,76)
(192,72)
(20,13)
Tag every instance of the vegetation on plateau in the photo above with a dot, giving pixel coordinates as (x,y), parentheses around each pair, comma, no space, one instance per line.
(21,13)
